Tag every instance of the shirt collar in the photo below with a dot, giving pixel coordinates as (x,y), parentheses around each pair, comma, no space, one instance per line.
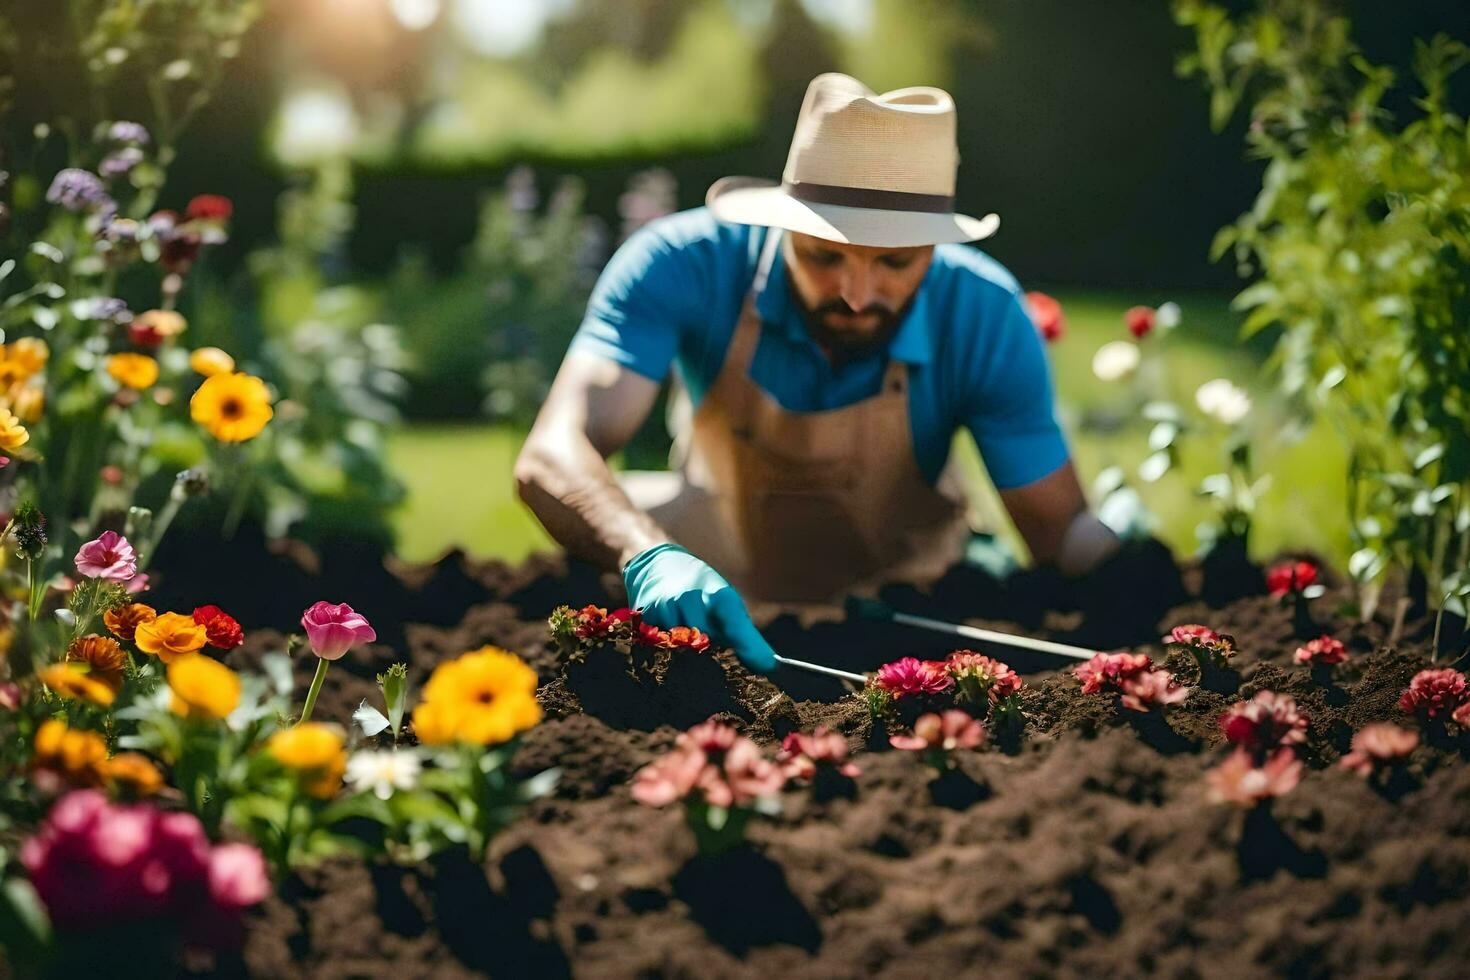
(776,306)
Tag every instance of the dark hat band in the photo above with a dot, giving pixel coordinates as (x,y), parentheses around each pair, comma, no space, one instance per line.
(866,197)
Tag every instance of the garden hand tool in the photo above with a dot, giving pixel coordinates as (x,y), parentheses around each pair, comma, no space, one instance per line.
(878,610)
(845,675)
(674,588)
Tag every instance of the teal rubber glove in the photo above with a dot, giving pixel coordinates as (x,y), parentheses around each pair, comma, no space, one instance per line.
(674,588)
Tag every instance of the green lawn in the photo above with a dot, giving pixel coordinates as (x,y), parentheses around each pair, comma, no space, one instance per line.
(461,492)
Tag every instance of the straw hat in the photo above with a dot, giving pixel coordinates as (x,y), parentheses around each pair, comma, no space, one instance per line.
(864,169)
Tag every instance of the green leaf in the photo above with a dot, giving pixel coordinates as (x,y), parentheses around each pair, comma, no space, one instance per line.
(25,928)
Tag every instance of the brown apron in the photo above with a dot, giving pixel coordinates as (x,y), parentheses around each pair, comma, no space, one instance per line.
(804,507)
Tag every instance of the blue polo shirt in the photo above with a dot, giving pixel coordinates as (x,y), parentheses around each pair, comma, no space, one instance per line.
(672,293)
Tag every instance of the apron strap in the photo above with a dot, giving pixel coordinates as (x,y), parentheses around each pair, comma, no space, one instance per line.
(748,328)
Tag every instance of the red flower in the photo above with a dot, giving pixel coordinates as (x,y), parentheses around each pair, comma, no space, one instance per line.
(1140,320)
(220,628)
(1378,745)
(112,475)
(944,733)
(1151,689)
(1238,781)
(1290,578)
(675,638)
(1434,692)
(801,754)
(1110,670)
(1322,650)
(596,623)
(210,207)
(1046,313)
(909,675)
(1265,722)
(143,333)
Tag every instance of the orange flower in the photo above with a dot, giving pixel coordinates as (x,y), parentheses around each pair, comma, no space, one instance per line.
(124,620)
(170,635)
(315,753)
(133,773)
(77,755)
(158,324)
(70,681)
(202,688)
(133,370)
(232,407)
(103,656)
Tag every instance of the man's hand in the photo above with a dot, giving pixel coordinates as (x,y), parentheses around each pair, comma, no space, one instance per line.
(674,588)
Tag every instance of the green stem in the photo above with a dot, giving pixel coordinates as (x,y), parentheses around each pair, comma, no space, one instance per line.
(160,527)
(316,687)
(241,496)
(37,589)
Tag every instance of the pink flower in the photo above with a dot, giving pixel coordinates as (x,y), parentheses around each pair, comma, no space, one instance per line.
(941,732)
(108,556)
(137,583)
(1379,745)
(1462,715)
(1191,635)
(237,876)
(1290,578)
(1265,722)
(709,737)
(748,776)
(1238,781)
(333,630)
(802,753)
(1322,650)
(1140,320)
(980,675)
(669,777)
(1110,670)
(1203,642)
(1433,692)
(909,675)
(725,768)
(1046,313)
(10,696)
(1151,689)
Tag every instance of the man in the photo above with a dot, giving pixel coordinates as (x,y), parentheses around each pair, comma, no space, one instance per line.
(832,335)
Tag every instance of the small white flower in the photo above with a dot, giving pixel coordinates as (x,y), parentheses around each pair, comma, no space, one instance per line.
(1222,401)
(1166,317)
(1115,359)
(384,772)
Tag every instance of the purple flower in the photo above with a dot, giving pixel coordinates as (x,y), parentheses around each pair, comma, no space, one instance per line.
(79,190)
(118,163)
(332,630)
(128,132)
(109,556)
(102,308)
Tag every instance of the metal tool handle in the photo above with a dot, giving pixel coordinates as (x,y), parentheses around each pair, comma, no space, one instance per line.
(874,609)
(819,669)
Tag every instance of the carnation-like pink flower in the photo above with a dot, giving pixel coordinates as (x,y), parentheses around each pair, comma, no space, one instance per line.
(1462,715)
(802,753)
(1265,722)
(332,630)
(1203,642)
(670,777)
(709,737)
(1110,670)
(1290,578)
(980,675)
(942,732)
(237,876)
(746,776)
(1324,650)
(1150,689)
(1434,692)
(1191,634)
(1378,745)
(108,556)
(909,675)
(711,762)
(1237,780)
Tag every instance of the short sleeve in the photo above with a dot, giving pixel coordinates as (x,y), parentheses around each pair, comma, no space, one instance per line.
(1011,412)
(643,299)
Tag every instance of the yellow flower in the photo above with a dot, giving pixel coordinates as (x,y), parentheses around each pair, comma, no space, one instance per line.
(133,370)
(483,697)
(103,656)
(28,402)
(124,621)
(133,773)
(161,323)
(233,407)
(315,752)
(27,356)
(78,755)
(170,635)
(13,435)
(202,688)
(210,361)
(71,681)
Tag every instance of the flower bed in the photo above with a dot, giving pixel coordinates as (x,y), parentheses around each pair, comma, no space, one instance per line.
(1091,845)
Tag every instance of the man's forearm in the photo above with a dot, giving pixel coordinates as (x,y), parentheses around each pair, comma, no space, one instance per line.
(574,494)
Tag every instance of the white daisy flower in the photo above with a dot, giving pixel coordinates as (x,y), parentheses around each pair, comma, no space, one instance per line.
(384,772)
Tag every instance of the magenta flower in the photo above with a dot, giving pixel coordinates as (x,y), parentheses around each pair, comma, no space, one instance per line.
(1150,689)
(333,630)
(1110,670)
(237,876)
(1434,692)
(1237,780)
(946,732)
(1378,745)
(803,753)
(910,675)
(1324,650)
(109,556)
(1266,722)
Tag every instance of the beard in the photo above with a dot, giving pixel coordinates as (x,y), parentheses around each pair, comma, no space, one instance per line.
(844,343)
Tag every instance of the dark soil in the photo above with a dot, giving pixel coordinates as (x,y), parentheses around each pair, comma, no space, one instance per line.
(1086,848)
